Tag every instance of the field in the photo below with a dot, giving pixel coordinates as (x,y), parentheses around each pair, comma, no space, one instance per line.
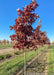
(17,63)
(43,64)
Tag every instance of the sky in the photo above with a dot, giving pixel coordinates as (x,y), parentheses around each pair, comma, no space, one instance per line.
(8,14)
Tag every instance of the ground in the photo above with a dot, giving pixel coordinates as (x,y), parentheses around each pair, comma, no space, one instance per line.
(43,65)
(6,50)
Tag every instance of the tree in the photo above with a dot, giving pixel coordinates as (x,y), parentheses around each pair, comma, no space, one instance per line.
(11,42)
(7,41)
(23,27)
(0,42)
(25,36)
(4,41)
(52,42)
(40,37)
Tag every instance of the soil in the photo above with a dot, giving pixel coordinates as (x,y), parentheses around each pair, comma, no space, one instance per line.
(6,50)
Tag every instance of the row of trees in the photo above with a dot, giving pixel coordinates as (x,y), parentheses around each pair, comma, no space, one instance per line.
(25,35)
(5,42)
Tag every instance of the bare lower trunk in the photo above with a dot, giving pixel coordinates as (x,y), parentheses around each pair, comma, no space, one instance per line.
(24,62)
(37,57)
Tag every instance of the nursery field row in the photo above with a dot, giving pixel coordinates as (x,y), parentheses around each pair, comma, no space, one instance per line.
(15,64)
(13,54)
(6,46)
(39,65)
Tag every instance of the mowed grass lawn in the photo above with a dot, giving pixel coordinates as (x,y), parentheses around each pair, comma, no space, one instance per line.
(9,67)
(6,46)
(51,61)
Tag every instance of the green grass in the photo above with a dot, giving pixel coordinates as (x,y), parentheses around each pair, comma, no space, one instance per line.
(51,61)
(6,46)
(22,51)
(9,67)
(17,53)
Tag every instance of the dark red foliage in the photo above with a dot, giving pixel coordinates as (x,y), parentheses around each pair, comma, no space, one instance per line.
(40,37)
(25,36)
(23,26)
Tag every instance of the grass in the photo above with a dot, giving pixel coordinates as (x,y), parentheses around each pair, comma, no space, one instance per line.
(9,67)
(10,55)
(22,51)
(6,46)
(51,61)
(17,53)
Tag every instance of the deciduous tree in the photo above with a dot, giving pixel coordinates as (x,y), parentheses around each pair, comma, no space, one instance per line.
(23,27)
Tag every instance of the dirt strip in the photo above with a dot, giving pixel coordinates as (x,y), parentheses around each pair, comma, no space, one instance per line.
(6,50)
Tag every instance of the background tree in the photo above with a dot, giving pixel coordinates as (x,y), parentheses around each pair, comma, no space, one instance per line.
(40,37)
(52,42)
(7,41)
(4,41)
(0,42)
(11,42)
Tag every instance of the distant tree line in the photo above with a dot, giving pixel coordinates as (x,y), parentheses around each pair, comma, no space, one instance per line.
(4,42)
(52,42)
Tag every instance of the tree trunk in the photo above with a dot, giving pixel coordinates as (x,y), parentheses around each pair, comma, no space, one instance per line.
(24,62)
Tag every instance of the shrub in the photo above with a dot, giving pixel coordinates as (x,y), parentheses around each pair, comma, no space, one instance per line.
(5,56)
(2,57)
(8,55)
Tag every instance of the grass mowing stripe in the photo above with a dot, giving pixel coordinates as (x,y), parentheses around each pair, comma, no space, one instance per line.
(51,61)
(6,46)
(13,60)
(8,67)
(12,65)
(30,56)
(10,61)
